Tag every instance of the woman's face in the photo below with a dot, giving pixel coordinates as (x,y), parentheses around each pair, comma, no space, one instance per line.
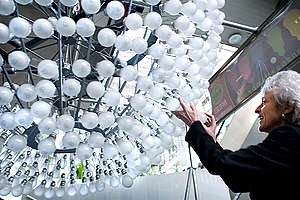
(269,114)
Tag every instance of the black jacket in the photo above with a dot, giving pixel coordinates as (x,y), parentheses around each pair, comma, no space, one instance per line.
(268,170)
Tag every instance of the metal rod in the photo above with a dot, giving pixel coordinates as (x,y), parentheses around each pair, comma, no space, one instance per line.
(48,45)
(36,54)
(194,184)
(90,45)
(240,26)
(11,84)
(60,72)
(186,194)
(219,131)
(24,48)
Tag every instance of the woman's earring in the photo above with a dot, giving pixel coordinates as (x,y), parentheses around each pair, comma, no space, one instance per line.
(283,116)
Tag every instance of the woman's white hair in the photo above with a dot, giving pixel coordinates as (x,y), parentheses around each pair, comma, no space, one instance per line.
(285,86)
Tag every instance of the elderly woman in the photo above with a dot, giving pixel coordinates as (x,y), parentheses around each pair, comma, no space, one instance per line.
(268,170)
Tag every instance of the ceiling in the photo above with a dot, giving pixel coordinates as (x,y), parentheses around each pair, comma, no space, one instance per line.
(251,13)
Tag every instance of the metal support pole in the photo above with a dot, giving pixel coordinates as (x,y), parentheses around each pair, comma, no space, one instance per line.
(191,173)
(60,72)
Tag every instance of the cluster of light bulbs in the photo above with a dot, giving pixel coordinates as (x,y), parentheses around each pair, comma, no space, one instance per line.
(121,137)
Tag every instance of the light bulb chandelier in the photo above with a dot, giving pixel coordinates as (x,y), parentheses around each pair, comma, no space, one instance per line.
(75,121)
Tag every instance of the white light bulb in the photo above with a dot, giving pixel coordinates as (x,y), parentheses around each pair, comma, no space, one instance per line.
(140,45)
(125,122)
(144,83)
(89,120)
(27,188)
(115,10)
(112,98)
(166,141)
(129,73)
(17,143)
(138,102)
(201,4)
(71,140)
(44,2)
(85,27)
(173,7)
(181,62)
(49,193)
(81,68)
(153,20)
(190,30)
(123,42)
(196,42)
(47,125)
(198,17)
(7,121)
(96,140)
(181,51)
(133,21)
(106,119)
(189,9)
(92,187)
(221,4)
(47,146)
(172,104)
(100,185)
(95,89)
(91,6)
(83,190)
(71,191)
(6,96)
(151,142)
(175,41)
(163,32)
(124,146)
(212,4)
(42,28)
(26,92)
(19,27)
(146,111)
(47,69)
(7,7)
(157,50)
(106,37)
(18,60)
(109,150)
(206,24)
(45,89)
(182,23)
(152,2)
(212,55)
(157,92)
(195,54)
(65,122)
(71,87)
(105,68)
(219,29)
(24,117)
(69,3)
(66,26)
(84,152)
(213,14)
(169,128)
(40,109)
(114,181)
(4,33)
(166,62)
(162,120)
(60,192)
